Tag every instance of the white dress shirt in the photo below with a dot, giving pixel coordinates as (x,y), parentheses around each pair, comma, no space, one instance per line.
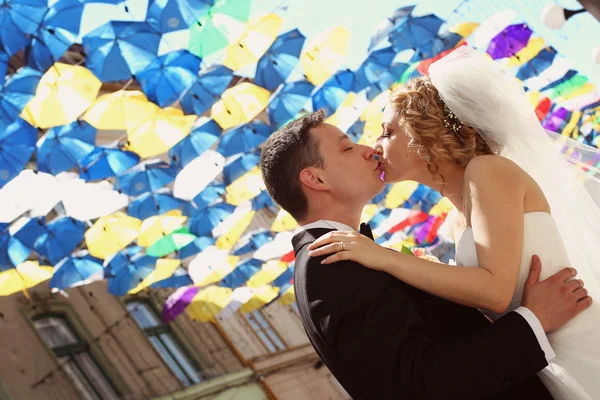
(529,316)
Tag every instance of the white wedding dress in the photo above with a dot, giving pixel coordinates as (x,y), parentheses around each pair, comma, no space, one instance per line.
(575,372)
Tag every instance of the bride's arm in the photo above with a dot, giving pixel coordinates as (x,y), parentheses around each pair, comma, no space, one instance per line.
(497,192)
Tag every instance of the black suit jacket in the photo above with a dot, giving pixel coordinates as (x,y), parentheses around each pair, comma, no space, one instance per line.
(384,339)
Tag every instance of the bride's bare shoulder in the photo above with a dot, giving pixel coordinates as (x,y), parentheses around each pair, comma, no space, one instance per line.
(482,168)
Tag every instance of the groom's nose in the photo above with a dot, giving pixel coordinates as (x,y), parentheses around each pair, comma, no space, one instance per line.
(367,152)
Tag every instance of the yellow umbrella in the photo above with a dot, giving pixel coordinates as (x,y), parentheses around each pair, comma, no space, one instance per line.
(245,188)
(160,132)
(464,29)
(111,234)
(399,193)
(208,303)
(165,267)
(284,222)
(348,112)
(120,109)
(369,212)
(262,296)
(288,297)
(228,240)
(239,104)
(269,271)
(23,276)
(325,54)
(255,41)
(64,92)
(534,46)
(154,228)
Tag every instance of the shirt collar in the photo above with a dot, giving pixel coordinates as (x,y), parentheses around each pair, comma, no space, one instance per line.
(324,223)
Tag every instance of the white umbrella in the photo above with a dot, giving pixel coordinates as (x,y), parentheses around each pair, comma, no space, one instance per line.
(195,176)
(277,248)
(239,297)
(86,201)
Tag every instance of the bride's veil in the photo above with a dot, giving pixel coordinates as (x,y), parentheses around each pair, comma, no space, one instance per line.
(483,96)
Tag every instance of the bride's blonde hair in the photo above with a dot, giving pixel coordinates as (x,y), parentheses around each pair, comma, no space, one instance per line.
(420,114)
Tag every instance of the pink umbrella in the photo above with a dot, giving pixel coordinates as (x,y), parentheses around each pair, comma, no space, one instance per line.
(178,301)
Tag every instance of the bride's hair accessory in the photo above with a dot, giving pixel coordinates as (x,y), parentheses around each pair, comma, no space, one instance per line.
(451,121)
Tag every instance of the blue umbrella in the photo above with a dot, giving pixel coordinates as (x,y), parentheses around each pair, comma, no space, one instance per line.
(203,222)
(567,76)
(168,76)
(241,273)
(238,166)
(435,46)
(179,278)
(148,176)
(333,92)
(204,199)
(62,237)
(373,68)
(12,251)
(278,62)
(126,269)
(413,32)
(17,144)
(153,203)
(387,25)
(18,19)
(172,15)
(284,281)
(262,200)
(16,93)
(64,147)
(541,62)
(57,32)
(104,162)
(244,138)
(289,100)
(76,270)
(197,246)
(252,242)
(197,142)
(29,230)
(356,130)
(206,90)
(117,50)
(3,66)
(386,80)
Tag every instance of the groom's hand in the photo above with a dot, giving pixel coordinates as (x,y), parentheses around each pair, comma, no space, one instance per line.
(555,300)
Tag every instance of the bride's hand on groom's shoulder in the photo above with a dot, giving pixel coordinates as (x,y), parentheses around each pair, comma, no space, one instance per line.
(350,245)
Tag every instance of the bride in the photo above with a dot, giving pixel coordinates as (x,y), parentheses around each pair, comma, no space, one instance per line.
(468,131)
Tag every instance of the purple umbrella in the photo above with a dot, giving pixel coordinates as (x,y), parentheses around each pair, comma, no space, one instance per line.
(508,42)
(555,121)
(178,301)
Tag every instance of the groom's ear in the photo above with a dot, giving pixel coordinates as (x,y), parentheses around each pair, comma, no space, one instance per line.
(311,177)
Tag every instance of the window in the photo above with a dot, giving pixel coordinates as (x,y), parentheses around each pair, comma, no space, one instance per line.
(75,359)
(261,327)
(165,343)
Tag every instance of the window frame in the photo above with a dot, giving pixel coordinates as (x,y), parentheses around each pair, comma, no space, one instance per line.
(245,317)
(173,331)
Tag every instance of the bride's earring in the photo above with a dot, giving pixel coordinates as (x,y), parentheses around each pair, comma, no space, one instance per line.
(422,154)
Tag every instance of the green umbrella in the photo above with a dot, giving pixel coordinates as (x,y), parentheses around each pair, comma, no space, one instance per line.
(174,241)
(223,24)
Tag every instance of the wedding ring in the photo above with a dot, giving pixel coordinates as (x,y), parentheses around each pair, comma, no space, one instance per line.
(342,246)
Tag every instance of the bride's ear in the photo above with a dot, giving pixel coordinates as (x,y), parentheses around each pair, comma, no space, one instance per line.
(311,177)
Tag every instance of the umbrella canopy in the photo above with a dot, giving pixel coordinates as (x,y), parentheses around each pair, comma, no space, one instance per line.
(19,89)
(196,143)
(12,251)
(63,94)
(177,302)
(164,269)
(111,234)
(206,89)
(65,147)
(278,62)
(204,221)
(242,273)
(156,227)
(288,101)
(254,42)
(23,276)
(58,30)
(198,174)
(208,303)
(145,177)
(238,166)
(127,269)
(538,64)
(17,142)
(244,138)
(221,25)
(104,162)
(373,68)
(413,32)
(61,237)
(19,19)
(325,54)
(333,92)
(78,269)
(387,25)
(239,105)
(172,242)
(120,110)
(171,15)
(205,198)
(168,76)
(153,203)
(177,279)
(118,50)
(508,42)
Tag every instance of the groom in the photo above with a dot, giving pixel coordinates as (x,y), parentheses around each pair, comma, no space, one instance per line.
(381,338)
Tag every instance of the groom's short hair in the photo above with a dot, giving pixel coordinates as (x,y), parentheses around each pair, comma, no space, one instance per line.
(284,155)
